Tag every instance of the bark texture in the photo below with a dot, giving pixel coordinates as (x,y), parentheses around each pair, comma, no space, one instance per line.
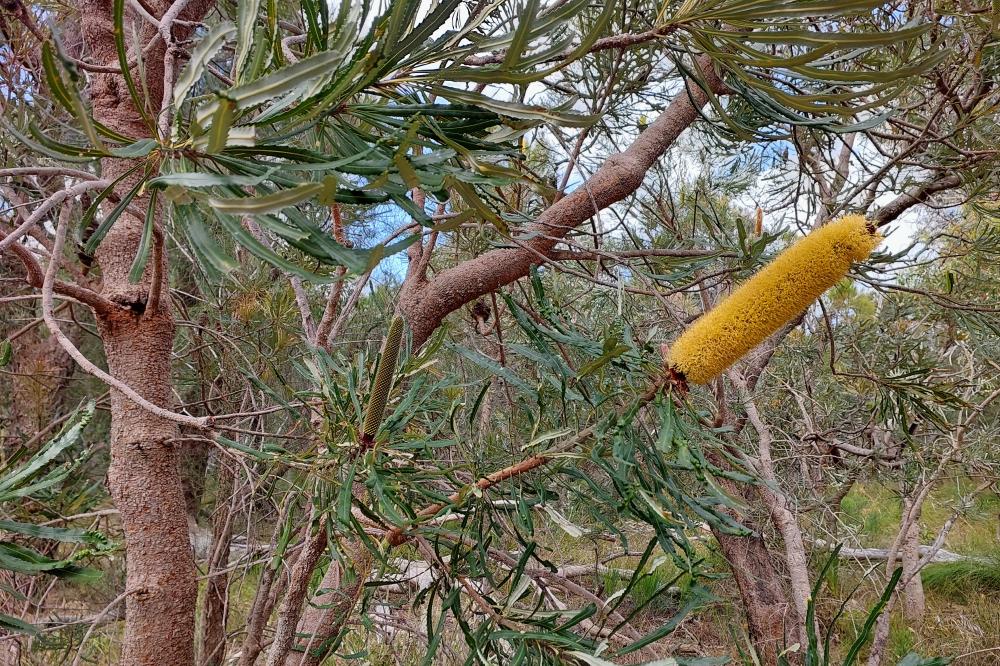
(769,614)
(138,337)
(146,487)
(298,587)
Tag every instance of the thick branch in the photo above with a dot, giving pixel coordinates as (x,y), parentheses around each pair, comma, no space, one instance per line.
(36,277)
(914,196)
(425,305)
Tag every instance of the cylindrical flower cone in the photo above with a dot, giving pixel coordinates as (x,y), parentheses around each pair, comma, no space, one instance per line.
(776,294)
(383,381)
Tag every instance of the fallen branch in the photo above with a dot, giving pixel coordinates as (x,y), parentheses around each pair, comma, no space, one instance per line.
(940,555)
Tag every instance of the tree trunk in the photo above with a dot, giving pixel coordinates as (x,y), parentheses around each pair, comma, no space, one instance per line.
(214,611)
(795,558)
(768,612)
(138,338)
(327,614)
(914,605)
(146,487)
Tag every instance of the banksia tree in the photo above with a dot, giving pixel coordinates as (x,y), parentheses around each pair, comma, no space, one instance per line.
(383,382)
(776,294)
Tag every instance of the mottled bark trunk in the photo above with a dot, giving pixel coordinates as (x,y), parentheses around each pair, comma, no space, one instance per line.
(146,487)
(138,338)
(298,588)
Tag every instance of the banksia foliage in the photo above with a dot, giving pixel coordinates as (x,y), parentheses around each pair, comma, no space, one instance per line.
(383,380)
(777,293)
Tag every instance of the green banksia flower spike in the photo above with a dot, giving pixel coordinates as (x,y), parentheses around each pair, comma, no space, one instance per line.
(383,380)
(775,295)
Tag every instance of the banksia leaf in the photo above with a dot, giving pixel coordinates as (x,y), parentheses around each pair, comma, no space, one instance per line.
(777,293)
(383,380)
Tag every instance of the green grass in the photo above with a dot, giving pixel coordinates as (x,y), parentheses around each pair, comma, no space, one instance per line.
(647,586)
(957,580)
(874,512)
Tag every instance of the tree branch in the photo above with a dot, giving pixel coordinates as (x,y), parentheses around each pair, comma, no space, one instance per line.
(425,305)
(35,277)
(915,195)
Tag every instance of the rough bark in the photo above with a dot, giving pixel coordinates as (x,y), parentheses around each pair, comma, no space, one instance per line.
(298,587)
(143,475)
(916,195)
(146,487)
(765,604)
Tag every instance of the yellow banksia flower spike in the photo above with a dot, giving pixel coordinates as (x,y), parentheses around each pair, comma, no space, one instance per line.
(773,296)
(383,381)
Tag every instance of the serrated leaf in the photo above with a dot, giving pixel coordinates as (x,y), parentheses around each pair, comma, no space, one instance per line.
(62,534)
(68,436)
(14,625)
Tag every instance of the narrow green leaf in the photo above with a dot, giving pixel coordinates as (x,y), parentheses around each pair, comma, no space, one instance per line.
(14,625)
(95,206)
(222,120)
(21,559)
(118,18)
(526,17)
(268,203)
(139,148)
(145,242)
(63,534)
(68,436)
(247,12)
(42,149)
(246,239)
(70,99)
(105,226)
(201,55)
